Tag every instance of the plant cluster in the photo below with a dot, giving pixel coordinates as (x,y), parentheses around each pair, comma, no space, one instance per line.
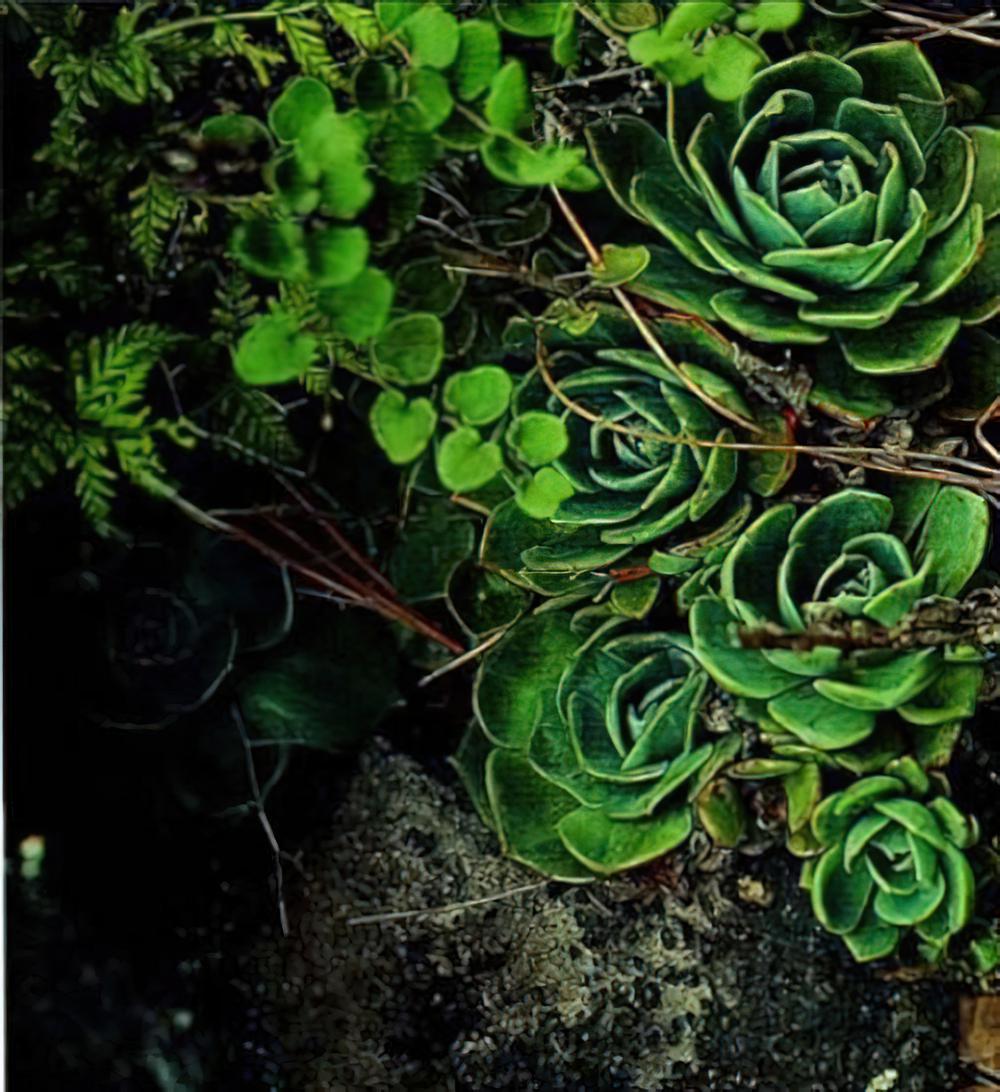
(684,417)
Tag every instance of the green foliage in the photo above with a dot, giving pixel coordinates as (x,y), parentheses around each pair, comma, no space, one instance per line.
(643,480)
(274,350)
(891,218)
(402,429)
(154,208)
(480,395)
(593,752)
(892,859)
(109,431)
(325,687)
(689,46)
(826,707)
(367,221)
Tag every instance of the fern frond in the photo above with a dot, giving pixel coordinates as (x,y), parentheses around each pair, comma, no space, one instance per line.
(111,391)
(36,441)
(318,381)
(236,306)
(26,358)
(307,44)
(232,40)
(252,419)
(94,480)
(155,207)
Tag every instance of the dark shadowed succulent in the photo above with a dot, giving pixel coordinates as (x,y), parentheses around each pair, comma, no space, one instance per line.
(646,477)
(833,199)
(892,861)
(830,587)
(586,755)
(176,624)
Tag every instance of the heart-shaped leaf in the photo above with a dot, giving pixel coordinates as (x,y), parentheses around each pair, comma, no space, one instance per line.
(402,429)
(465,461)
(409,350)
(479,396)
(538,437)
(359,310)
(274,350)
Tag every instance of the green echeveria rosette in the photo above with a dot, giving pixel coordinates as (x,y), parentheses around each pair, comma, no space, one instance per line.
(847,560)
(833,199)
(892,860)
(586,755)
(642,485)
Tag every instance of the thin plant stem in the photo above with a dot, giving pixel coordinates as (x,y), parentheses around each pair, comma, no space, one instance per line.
(642,326)
(851,456)
(461,661)
(195,21)
(403,915)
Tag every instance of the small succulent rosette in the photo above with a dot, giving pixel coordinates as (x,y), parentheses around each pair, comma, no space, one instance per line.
(587,751)
(892,861)
(822,594)
(648,488)
(834,199)
(174,624)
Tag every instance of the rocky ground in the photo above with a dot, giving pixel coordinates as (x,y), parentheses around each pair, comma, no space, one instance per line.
(715,978)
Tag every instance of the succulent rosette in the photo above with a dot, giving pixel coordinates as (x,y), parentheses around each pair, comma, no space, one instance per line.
(892,860)
(586,753)
(848,570)
(644,472)
(834,199)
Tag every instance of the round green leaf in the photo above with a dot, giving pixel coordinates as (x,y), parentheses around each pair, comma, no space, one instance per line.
(274,249)
(239,131)
(541,495)
(299,106)
(432,37)
(478,59)
(773,15)
(538,437)
(359,310)
(375,86)
(428,102)
(722,813)
(620,264)
(402,429)
(328,686)
(337,255)
(483,601)
(519,164)
(529,18)
(731,62)
(438,536)
(479,396)
(466,462)
(528,809)
(274,350)
(508,107)
(409,350)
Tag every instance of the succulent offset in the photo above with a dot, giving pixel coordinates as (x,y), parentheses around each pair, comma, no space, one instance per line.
(892,860)
(833,200)
(644,473)
(842,561)
(587,754)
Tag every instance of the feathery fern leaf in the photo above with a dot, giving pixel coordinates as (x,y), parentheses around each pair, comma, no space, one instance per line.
(253,420)
(308,46)
(155,206)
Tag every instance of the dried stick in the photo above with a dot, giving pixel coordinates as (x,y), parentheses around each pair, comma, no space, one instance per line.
(852,456)
(403,915)
(640,323)
(465,658)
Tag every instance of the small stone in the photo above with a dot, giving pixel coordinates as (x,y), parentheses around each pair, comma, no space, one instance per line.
(979,1033)
(754,891)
